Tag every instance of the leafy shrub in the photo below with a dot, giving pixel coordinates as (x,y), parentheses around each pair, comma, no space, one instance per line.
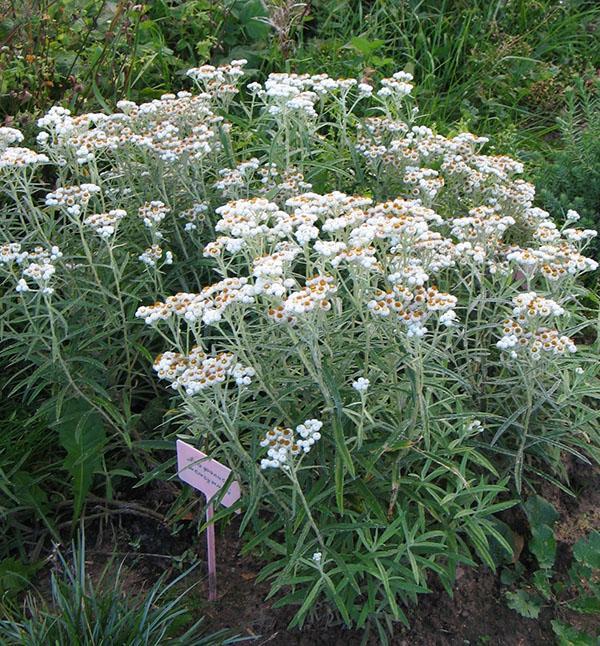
(85,611)
(93,53)
(392,335)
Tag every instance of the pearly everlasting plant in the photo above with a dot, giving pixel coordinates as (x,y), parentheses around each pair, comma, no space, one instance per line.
(370,322)
(429,322)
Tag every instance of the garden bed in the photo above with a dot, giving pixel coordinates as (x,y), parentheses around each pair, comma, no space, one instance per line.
(477,613)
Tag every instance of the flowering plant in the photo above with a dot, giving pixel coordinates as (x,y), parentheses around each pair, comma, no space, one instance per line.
(396,334)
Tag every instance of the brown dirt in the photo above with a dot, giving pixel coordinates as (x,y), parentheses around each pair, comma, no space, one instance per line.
(477,614)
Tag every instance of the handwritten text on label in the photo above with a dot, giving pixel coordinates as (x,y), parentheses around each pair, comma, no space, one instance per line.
(207,475)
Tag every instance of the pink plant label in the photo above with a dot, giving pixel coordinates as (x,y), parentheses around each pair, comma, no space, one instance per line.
(208,476)
(205,474)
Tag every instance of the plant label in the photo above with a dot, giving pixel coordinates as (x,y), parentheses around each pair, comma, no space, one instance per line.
(205,474)
(208,476)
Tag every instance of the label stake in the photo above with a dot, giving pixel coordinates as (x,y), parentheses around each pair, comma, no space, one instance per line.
(208,476)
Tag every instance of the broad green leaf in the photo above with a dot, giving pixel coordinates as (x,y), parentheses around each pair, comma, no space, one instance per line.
(525,604)
(540,511)
(541,580)
(589,605)
(364,45)
(569,636)
(81,433)
(543,545)
(587,550)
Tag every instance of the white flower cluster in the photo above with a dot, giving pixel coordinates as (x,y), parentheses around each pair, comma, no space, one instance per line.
(543,340)
(484,226)
(152,255)
(15,157)
(221,81)
(250,177)
(36,266)
(196,371)
(396,87)
(73,198)
(530,305)
(361,384)
(297,95)
(426,182)
(579,235)
(414,307)
(314,296)
(248,218)
(171,128)
(105,224)
(524,333)
(555,262)
(233,180)
(153,213)
(194,216)
(208,306)
(546,232)
(287,182)
(11,252)
(283,444)
(9,136)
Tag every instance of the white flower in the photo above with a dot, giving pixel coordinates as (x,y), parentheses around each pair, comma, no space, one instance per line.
(449,318)
(105,224)
(572,216)
(317,557)
(416,330)
(282,445)
(18,157)
(22,286)
(151,255)
(475,427)
(153,213)
(9,136)
(508,341)
(361,384)
(254,88)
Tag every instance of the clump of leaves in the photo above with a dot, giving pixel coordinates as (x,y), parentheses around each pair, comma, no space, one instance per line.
(577,590)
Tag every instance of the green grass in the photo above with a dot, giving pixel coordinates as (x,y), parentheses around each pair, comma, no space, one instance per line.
(86,610)
(487,64)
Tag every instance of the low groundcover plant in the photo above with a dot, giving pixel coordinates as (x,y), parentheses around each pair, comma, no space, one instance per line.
(394,340)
